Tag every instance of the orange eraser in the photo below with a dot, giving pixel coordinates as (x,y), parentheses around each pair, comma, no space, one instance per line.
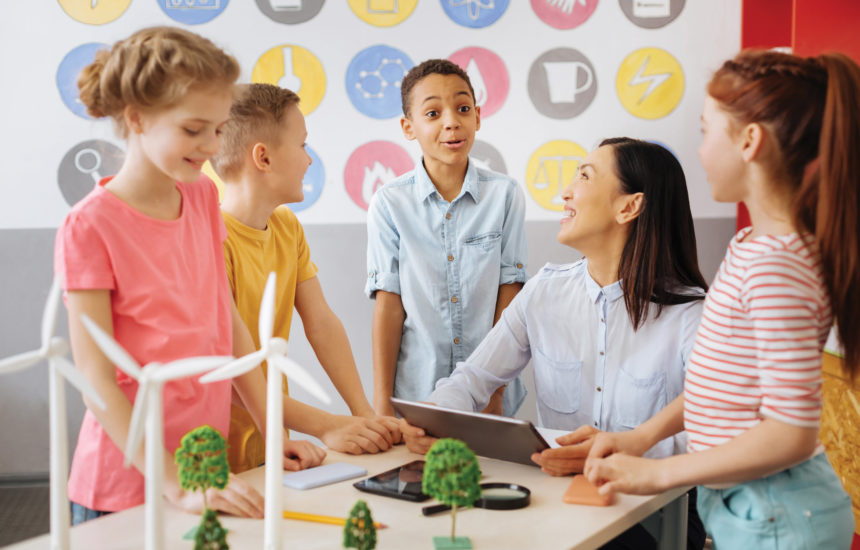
(581,491)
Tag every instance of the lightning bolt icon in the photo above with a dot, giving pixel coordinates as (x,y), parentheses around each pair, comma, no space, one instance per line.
(654,80)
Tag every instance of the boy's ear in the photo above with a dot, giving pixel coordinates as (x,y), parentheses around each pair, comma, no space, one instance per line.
(751,141)
(630,207)
(406,126)
(132,117)
(477,117)
(260,157)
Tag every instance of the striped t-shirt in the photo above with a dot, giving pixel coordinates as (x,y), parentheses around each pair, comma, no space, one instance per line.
(758,349)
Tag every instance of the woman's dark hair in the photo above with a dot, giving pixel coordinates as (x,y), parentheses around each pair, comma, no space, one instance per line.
(659,258)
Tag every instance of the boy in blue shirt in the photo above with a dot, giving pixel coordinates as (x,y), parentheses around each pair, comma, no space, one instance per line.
(446,248)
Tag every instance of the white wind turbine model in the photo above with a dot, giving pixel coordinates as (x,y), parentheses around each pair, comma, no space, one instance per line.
(53,349)
(147,402)
(274,352)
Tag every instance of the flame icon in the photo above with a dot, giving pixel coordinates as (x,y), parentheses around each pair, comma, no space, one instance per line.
(374,178)
(477,82)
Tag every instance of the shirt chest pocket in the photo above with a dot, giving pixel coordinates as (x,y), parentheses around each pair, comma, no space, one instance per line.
(485,242)
(638,398)
(557,383)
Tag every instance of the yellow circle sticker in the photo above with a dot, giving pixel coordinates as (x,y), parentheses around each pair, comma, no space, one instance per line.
(94,12)
(294,68)
(552,168)
(650,83)
(383,13)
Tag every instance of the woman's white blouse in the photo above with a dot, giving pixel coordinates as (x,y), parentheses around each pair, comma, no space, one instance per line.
(590,366)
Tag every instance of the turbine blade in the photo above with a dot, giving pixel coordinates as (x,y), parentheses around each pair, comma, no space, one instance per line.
(267,309)
(112,349)
(190,366)
(20,361)
(49,315)
(235,368)
(135,428)
(77,380)
(296,373)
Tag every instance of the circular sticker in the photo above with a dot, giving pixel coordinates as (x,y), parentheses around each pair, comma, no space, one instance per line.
(373,80)
(382,13)
(67,75)
(216,179)
(371,166)
(290,12)
(94,12)
(474,13)
(650,83)
(562,83)
(192,12)
(84,165)
(312,184)
(551,169)
(651,14)
(487,156)
(296,69)
(565,14)
(488,75)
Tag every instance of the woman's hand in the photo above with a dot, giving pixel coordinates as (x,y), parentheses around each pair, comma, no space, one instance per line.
(415,438)
(622,473)
(570,457)
(238,498)
(356,435)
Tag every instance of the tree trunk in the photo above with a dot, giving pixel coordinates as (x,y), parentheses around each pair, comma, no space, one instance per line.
(453,520)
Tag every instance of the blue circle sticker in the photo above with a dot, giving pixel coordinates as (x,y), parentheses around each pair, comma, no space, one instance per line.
(312,184)
(373,80)
(192,12)
(474,13)
(67,75)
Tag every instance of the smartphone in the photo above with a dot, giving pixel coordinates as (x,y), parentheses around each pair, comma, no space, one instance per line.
(322,475)
(403,482)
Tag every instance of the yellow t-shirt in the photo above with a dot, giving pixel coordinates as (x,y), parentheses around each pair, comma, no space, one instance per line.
(250,255)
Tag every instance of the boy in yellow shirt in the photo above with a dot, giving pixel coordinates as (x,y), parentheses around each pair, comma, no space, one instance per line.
(262,161)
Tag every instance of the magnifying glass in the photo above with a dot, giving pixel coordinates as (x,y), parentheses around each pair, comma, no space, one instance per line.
(494,496)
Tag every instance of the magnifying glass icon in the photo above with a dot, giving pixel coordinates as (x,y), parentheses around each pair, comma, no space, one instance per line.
(88,161)
(494,496)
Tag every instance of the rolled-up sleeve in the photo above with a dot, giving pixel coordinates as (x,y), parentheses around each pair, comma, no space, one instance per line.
(514,252)
(383,249)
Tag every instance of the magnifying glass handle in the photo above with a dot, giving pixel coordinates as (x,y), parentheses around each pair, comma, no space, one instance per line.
(434,509)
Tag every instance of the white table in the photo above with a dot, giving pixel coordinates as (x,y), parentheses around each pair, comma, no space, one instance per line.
(547,523)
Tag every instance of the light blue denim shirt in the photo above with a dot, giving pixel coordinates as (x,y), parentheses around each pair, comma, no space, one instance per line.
(590,366)
(446,260)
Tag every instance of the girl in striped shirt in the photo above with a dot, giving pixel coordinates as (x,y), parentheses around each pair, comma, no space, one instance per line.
(781,134)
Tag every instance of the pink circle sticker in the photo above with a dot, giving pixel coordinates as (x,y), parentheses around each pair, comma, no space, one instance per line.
(371,166)
(488,74)
(564,14)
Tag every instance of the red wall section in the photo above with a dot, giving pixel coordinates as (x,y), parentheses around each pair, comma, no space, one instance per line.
(821,26)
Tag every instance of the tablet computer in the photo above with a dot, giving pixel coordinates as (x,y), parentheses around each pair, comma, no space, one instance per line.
(488,435)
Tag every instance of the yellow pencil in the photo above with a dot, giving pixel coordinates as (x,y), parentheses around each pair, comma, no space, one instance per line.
(331,520)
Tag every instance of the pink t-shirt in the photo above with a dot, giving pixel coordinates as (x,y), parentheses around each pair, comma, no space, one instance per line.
(170,299)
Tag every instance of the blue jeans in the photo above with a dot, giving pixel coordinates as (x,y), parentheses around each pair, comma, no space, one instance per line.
(803,507)
(81,513)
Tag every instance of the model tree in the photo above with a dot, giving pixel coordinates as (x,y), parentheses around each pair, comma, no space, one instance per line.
(452,476)
(359,531)
(202,461)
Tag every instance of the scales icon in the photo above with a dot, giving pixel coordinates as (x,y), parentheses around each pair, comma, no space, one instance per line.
(550,170)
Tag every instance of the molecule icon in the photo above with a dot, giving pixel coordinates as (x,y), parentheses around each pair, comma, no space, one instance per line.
(383,81)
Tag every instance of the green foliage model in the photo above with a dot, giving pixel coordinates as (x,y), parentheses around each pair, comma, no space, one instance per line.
(359,531)
(452,475)
(202,461)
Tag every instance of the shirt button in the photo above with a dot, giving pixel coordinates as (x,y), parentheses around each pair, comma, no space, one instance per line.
(595,424)
(519,266)
(601,320)
(448,216)
(454,299)
(450,257)
(598,388)
(371,273)
(456,340)
(601,353)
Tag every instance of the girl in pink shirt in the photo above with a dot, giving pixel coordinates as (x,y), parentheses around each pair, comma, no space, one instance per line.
(781,134)
(142,256)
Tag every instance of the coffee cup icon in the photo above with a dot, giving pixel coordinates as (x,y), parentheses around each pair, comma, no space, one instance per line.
(567,79)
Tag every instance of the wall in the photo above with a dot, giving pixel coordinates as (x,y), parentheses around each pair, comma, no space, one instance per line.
(540,137)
